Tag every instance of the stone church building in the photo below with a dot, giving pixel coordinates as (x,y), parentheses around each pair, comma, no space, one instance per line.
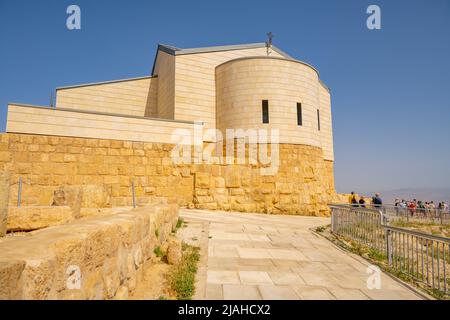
(110,143)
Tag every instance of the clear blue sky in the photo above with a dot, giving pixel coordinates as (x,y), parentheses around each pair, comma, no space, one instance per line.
(390,87)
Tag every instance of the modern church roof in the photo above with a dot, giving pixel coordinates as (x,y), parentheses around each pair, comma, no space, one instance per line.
(178,51)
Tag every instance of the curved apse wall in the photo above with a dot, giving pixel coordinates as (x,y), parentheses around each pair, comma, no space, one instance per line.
(243,83)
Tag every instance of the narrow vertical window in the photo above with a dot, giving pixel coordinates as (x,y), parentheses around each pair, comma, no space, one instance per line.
(299,114)
(318,119)
(265,111)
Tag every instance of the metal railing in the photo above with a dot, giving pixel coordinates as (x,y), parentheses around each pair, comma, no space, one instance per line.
(423,257)
(363,225)
(440,216)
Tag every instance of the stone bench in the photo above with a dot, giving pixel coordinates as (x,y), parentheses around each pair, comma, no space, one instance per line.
(35,218)
(94,258)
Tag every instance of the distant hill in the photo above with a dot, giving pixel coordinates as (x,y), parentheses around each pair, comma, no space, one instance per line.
(424,194)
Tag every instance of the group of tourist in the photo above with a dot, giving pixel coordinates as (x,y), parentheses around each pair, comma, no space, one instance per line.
(414,204)
(361,202)
(413,207)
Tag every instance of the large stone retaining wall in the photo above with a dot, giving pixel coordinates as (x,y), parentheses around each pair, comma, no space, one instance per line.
(4,199)
(104,171)
(106,254)
(303,184)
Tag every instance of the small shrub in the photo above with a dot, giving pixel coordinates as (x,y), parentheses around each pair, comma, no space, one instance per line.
(183,278)
(158,252)
(376,255)
(320,229)
(180,223)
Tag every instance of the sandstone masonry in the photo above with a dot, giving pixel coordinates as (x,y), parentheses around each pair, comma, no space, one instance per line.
(103,138)
(96,258)
(4,199)
(104,170)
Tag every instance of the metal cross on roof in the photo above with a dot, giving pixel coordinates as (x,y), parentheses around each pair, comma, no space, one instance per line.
(270,36)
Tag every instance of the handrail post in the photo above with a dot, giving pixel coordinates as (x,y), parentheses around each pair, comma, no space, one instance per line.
(19,193)
(133,193)
(381,217)
(332,220)
(388,246)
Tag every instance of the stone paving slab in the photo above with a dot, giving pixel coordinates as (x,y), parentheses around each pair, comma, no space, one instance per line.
(278,293)
(313,293)
(255,277)
(240,292)
(286,278)
(257,256)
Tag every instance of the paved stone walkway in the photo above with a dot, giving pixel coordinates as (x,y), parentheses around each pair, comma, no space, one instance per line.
(256,256)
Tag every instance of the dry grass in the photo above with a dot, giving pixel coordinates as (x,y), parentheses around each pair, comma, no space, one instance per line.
(425,227)
(182,279)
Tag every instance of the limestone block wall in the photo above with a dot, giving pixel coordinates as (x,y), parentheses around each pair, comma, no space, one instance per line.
(195,93)
(25,219)
(4,199)
(134,97)
(302,185)
(75,123)
(326,123)
(165,70)
(106,254)
(104,170)
(243,83)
